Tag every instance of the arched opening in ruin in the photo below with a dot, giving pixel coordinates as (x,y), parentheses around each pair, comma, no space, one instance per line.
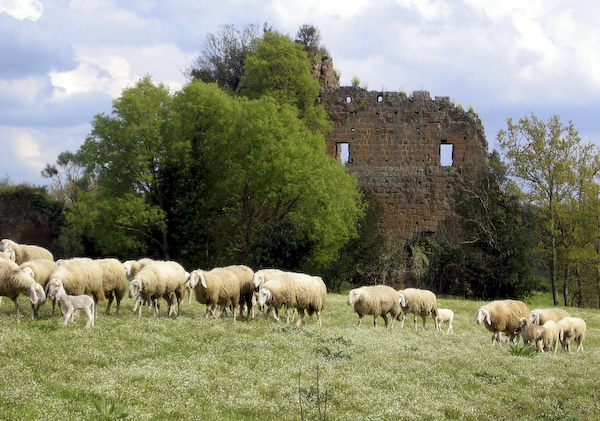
(342,152)
(446,151)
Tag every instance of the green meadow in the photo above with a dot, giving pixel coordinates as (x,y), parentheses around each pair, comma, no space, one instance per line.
(194,368)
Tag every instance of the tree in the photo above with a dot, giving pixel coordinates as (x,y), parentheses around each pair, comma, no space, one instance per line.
(124,155)
(310,37)
(276,175)
(280,68)
(542,156)
(68,178)
(222,57)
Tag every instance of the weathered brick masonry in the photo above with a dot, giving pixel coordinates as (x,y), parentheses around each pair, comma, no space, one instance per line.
(394,146)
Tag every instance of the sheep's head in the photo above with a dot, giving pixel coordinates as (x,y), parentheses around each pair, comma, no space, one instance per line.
(523,322)
(29,272)
(353,296)
(37,294)
(56,290)
(481,315)
(534,318)
(257,280)
(194,279)
(135,287)
(52,283)
(264,296)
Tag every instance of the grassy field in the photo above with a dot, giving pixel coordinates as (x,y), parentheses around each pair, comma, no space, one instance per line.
(192,368)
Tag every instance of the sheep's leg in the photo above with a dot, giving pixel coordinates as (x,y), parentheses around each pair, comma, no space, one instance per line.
(17,308)
(117,306)
(34,311)
(403,316)
(140,311)
(319,318)
(111,297)
(450,327)
(359,320)
(300,317)
(385,319)
(90,315)
(67,316)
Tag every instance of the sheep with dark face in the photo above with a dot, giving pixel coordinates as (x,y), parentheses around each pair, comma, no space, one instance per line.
(376,301)
(13,282)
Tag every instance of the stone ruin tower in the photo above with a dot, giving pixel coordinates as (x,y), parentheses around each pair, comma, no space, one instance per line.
(407,149)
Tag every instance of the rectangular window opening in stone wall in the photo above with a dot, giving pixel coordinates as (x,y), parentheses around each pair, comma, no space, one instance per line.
(342,152)
(446,150)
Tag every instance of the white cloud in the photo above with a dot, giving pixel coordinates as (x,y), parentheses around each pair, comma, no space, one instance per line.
(22,9)
(26,145)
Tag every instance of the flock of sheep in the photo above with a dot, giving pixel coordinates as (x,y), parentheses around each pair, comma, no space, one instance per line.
(81,283)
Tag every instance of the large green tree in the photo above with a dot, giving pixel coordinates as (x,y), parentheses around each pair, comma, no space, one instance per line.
(257,165)
(124,155)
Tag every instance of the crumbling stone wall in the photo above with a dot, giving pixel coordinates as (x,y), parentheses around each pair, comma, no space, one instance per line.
(393,144)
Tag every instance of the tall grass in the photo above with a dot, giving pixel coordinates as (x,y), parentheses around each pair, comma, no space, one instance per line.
(193,368)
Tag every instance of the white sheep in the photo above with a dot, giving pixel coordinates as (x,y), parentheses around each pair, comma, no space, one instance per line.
(296,290)
(444,315)
(532,334)
(70,303)
(572,328)
(21,253)
(245,276)
(217,289)
(551,335)
(80,275)
(376,301)
(541,316)
(132,267)
(419,302)
(502,316)
(13,282)
(164,279)
(114,282)
(260,277)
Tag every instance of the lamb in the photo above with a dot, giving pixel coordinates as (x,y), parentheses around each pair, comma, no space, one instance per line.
(541,316)
(502,316)
(13,282)
(532,334)
(160,280)
(217,288)
(21,253)
(80,275)
(551,335)
(114,282)
(419,302)
(572,328)
(377,301)
(296,290)
(70,303)
(444,315)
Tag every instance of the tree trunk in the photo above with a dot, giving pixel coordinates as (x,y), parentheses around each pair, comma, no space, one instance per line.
(553,269)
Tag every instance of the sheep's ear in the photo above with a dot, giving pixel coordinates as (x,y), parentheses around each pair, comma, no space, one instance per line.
(203,281)
(488,317)
(402,300)
(33,297)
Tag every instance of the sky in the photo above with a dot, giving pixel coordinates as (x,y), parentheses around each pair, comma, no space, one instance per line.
(64,61)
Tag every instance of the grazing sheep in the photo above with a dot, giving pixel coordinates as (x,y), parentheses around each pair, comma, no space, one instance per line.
(217,289)
(419,302)
(377,301)
(532,334)
(114,282)
(245,276)
(158,280)
(132,267)
(296,290)
(40,270)
(551,336)
(572,328)
(502,316)
(80,275)
(260,277)
(541,316)
(444,315)
(13,282)
(70,303)
(21,253)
